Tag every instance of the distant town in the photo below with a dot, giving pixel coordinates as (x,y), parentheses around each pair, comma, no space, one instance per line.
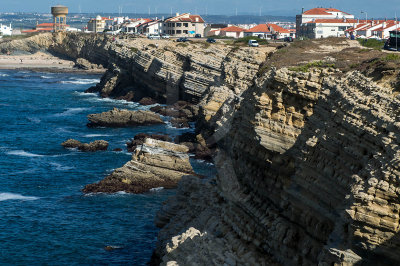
(313,23)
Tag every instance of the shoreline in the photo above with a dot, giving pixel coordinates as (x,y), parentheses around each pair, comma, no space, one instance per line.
(42,62)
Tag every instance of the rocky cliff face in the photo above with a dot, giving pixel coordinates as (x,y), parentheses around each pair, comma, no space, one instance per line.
(307,156)
(308,174)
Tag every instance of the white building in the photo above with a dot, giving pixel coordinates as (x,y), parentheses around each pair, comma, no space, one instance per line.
(232,31)
(321,14)
(323,28)
(5,30)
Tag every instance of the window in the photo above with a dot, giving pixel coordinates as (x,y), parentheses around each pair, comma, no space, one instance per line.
(178,24)
(178,32)
(193,25)
(172,24)
(185,24)
(172,31)
(333,30)
(342,28)
(185,32)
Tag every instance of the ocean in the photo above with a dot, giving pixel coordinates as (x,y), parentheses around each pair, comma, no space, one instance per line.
(45,219)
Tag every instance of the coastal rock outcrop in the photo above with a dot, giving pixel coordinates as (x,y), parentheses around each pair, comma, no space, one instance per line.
(307,174)
(140,138)
(97,145)
(154,164)
(123,118)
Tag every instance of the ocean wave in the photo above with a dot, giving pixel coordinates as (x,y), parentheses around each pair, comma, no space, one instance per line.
(72,111)
(90,94)
(60,167)
(169,125)
(46,77)
(81,81)
(96,135)
(23,153)
(4,75)
(34,120)
(157,189)
(12,196)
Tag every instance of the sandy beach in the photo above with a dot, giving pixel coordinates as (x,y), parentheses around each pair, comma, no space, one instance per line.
(40,61)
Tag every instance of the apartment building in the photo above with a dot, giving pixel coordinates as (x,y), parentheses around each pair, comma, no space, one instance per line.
(184,25)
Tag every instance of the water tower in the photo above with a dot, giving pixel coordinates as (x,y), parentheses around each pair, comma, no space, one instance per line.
(60,17)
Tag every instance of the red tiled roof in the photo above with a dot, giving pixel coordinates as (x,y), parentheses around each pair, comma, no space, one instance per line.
(259,28)
(186,17)
(322,11)
(333,20)
(29,31)
(277,28)
(233,29)
(44,29)
(45,25)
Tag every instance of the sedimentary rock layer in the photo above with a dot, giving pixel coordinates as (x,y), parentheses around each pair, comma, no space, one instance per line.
(123,118)
(154,164)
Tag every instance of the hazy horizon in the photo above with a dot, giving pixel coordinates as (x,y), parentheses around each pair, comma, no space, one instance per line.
(203,7)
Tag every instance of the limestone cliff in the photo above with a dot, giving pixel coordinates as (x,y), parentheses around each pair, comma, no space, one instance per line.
(308,173)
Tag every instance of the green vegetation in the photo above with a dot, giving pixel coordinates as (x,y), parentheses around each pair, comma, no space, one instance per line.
(182,44)
(392,57)
(17,37)
(245,40)
(133,49)
(306,67)
(152,45)
(371,43)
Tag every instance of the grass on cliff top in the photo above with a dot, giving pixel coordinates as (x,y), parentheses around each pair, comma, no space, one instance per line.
(372,43)
(17,37)
(308,66)
(338,51)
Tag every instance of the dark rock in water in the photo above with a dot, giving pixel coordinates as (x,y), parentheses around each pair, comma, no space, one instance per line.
(97,145)
(154,164)
(123,118)
(179,109)
(196,144)
(147,101)
(117,149)
(129,96)
(111,248)
(141,137)
(180,122)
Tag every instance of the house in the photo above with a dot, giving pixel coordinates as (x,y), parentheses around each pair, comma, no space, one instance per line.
(132,25)
(232,31)
(97,24)
(44,27)
(312,15)
(150,27)
(278,32)
(184,25)
(213,29)
(323,28)
(373,29)
(261,31)
(5,30)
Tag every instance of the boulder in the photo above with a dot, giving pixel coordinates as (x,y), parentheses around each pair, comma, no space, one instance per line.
(140,138)
(154,164)
(123,118)
(147,101)
(97,145)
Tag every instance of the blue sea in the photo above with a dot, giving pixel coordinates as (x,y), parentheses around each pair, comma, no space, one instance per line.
(45,219)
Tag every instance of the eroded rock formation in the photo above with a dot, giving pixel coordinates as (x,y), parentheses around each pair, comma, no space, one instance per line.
(123,118)
(154,164)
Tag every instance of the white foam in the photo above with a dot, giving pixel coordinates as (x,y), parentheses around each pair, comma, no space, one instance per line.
(12,196)
(46,77)
(86,93)
(81,81)
(23,153)
(4,75)
(71,111)
(34,120)
(121,193)
(169,125)
(157,189)
(96,135)
(60,167)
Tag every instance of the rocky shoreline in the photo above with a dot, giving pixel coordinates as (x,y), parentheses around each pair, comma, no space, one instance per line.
(305,140)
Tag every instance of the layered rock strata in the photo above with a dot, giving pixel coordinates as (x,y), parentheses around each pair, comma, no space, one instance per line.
(307,174)
(154,164)
(123,118)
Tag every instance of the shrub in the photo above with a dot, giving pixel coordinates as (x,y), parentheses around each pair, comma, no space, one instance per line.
(372,43)
(306,67)
(391,57)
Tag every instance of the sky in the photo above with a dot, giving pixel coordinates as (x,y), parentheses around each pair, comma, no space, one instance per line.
(373,8)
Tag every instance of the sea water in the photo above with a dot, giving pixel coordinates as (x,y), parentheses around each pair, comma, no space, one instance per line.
(45,219)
